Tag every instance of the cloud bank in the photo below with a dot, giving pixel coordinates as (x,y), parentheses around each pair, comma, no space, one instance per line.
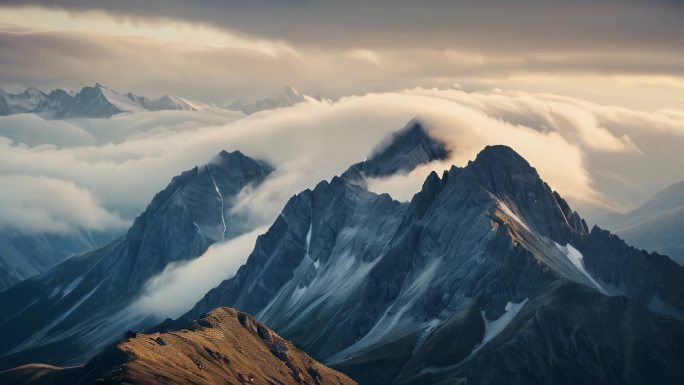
(180,286)
(29,206)
(587,151)
(579,147)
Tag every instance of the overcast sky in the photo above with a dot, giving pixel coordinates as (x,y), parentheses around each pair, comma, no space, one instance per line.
(611,52)
(592,93)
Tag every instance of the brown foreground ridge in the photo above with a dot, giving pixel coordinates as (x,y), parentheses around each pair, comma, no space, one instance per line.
(224,346)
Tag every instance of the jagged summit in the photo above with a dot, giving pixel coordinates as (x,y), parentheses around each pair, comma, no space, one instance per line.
(179,224)
(97,101)
(90,102)
(509,177)
(406,149)
(502,155)
(400,152)
(235,164)
(382,289)
(225,156)
(503,171)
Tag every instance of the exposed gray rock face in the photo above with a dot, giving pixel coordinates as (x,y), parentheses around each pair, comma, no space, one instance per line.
(568,335)
(403,151)
(91,102)
(481,262)
(487,276)
(66,313)
(341,204)
(288,249)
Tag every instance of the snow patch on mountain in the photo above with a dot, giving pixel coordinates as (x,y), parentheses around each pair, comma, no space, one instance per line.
(120,101)
(91,102)
(396,318)
(308,240)
(495,327)
(220,198)
(71,286)
(576,258)
(507,210)
(298,293)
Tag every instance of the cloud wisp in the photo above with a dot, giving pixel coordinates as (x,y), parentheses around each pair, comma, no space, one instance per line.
(180,286)
(35,204)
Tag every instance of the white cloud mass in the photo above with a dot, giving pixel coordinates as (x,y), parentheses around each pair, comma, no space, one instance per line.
(579,147)
(180,286)
(35,204)
(597,156)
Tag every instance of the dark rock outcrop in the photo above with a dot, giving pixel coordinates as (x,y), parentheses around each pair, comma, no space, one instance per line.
(401,152)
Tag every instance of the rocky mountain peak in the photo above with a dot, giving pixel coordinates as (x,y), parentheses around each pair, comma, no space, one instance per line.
(97,101)
(59,94)
(179,224)
(32,91)
(404,150)
(514,182)
(400,152)
(500,167)
(92,91)
(224,156)
(236,160)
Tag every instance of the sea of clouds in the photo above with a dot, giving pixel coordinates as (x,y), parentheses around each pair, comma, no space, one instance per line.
(98,174)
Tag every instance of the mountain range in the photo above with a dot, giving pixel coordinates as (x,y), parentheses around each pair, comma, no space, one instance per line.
(65,314)
(487,276)
(90,102)
(656,225)
(485,266)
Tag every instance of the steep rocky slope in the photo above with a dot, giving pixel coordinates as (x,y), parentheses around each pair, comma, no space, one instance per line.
(363,282)
(486,276)
(69,312)
(66,314)
(568,335)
